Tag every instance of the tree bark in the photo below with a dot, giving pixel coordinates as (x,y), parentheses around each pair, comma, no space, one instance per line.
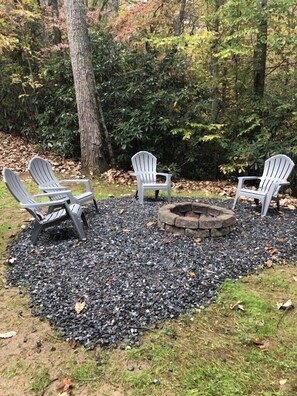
(55,15)
(181,17)
(215,65)
(260,51)
(92,157)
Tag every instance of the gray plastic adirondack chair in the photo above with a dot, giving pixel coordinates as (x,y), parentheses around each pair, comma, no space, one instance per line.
(42,173)
(61,210)
(144,167)
(277,169)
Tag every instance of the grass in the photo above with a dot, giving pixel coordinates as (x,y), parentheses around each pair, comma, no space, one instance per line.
(241,345)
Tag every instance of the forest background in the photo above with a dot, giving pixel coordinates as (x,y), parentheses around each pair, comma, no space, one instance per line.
(208,86)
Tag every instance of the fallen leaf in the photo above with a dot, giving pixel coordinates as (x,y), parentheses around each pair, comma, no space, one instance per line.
(285,306)
(191,274)
(261,344)
(150,224)
(269,263)
(72,344)
(260,322)
(79,306)
(126,230)
(9,334)
(295,278)
(65,386)
(271,250)
(280,240)
(283,381)
(167,241)
(11,260)
(198,241)
(237,305)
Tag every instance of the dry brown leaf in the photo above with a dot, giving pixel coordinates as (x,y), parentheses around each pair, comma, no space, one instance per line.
(167,241)
(126,230)
(269,263)
(150,224)
(65,386)
(72,344)
(271,250)
(237,305)
(295,278)
(280,240)
(122,211)
(261,344)
(198,241)
(191,274)
(9,334)
(79,306)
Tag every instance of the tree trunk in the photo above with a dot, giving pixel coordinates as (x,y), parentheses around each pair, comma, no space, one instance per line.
(215,66)
(260,50)
(181,17)
(55,15)
(92,157)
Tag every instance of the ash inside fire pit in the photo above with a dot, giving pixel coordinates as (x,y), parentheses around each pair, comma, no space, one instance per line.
(196,219)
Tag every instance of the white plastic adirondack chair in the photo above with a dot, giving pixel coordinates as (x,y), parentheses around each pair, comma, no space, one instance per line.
(42,173)
(61,210)
(277,169)
(144,167)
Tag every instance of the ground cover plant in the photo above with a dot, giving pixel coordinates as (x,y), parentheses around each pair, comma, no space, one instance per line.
(241,345)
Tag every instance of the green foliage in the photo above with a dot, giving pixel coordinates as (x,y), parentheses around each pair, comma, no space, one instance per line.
(57,119)
(157,90)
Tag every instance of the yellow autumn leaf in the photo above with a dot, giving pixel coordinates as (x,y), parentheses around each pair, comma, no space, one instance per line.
(79,306)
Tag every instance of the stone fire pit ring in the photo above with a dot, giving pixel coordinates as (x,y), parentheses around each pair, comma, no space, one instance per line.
(196,219)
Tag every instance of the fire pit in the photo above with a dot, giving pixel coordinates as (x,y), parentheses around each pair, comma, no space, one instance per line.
(196,219)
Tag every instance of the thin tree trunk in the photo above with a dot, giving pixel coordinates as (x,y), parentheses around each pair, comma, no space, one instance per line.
(55,15)
(215,66)
(181,17)
(260,51)
(92,157)
(107,136)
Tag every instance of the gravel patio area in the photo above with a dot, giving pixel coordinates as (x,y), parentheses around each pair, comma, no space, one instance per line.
(131,275)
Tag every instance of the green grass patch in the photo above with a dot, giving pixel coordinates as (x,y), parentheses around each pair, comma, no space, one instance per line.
(40,381)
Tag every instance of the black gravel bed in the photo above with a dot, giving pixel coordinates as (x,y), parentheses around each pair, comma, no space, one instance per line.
(131,275)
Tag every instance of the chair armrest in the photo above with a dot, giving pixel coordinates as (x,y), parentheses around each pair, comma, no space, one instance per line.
(52,194)
(167,175)
(60,202)
(86,182)
(49,188)
(242,179)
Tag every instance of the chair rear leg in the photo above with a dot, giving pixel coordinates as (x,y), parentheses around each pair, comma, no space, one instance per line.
(35,232)
(96,206)
(157,194)
(84,219)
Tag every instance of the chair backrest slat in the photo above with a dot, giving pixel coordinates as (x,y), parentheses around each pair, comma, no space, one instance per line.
(276,168)
(42,173)
(145,164)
